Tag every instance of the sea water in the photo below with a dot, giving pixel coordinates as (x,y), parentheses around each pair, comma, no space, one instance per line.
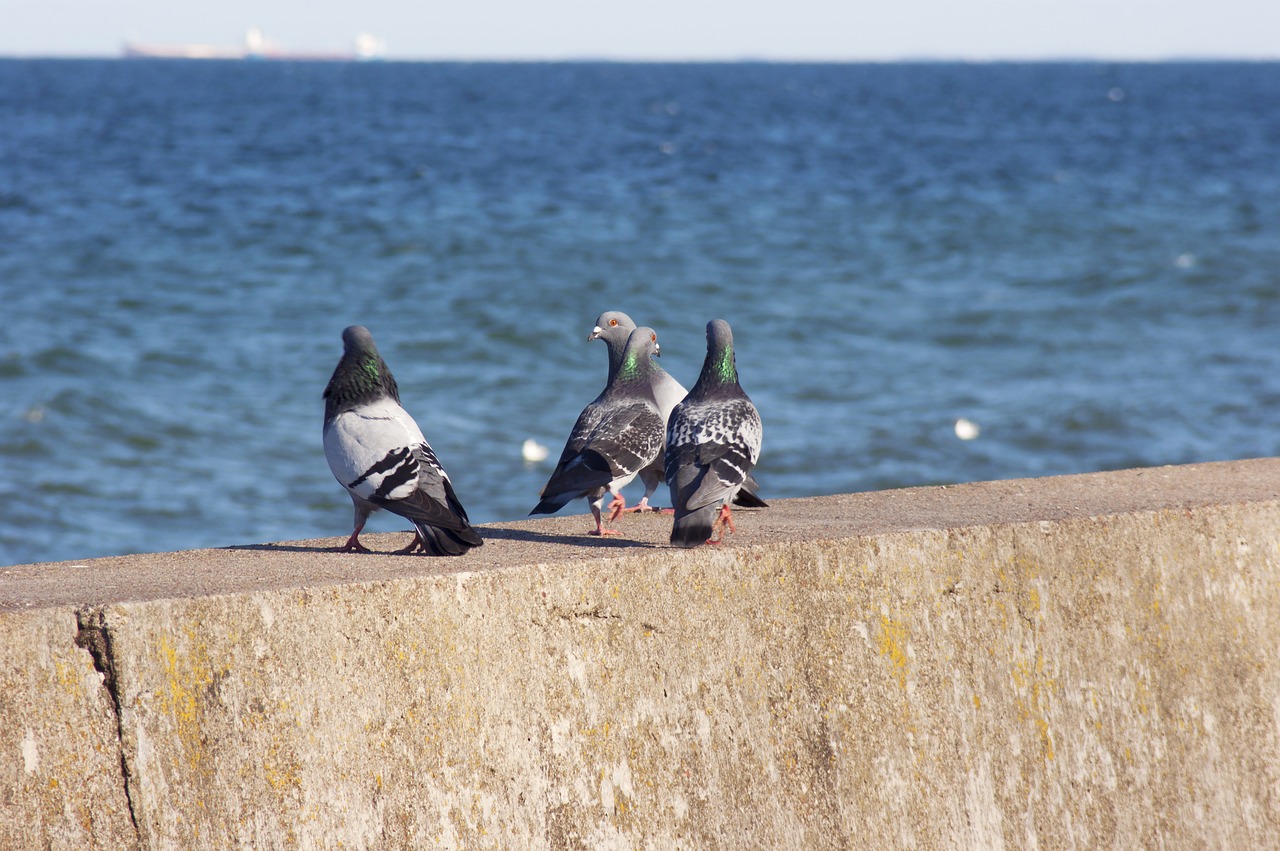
(1080,262)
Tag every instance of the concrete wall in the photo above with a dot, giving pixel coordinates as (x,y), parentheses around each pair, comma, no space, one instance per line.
(1091,680)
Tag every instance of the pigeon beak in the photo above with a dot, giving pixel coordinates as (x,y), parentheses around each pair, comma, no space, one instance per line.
(595,333)
(657,350)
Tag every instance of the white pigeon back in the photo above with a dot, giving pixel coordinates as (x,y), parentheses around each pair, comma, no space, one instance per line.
(669,393)
(361,446)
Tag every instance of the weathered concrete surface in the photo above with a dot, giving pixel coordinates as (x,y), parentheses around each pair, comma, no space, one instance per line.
(1101,668)
(61,778)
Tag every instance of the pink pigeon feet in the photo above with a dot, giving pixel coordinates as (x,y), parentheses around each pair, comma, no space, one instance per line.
(600,530)
(414,545)
(643,506)
(616,507)
(353,545)
(723,522)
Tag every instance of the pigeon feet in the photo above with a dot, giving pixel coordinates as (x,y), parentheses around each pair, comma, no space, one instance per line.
(414,545)
(640,507)
(723,525)
(616,507)
(353,545)
(643,505)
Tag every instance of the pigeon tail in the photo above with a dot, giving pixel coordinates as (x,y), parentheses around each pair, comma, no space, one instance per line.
(694,529)
(748,496)
(552,504)
(587,474)
(746,499)
(437,541)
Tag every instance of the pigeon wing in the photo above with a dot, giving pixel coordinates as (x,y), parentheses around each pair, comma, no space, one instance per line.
(586,423)
(370,450)
(433,501)
(379,454)
(711,451)
(629,438)
(625,439)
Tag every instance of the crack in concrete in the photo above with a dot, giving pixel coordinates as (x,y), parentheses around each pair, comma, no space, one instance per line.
(92,635)
(596,612)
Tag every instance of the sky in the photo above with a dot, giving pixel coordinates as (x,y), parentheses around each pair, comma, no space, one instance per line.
(805,30)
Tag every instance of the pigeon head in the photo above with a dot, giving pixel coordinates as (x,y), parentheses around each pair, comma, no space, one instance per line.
(638,354)
(358,345)
(720,365)
(362,376)
(613,327)
(356,338)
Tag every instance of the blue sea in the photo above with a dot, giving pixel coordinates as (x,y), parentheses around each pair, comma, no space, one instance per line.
(1080,260)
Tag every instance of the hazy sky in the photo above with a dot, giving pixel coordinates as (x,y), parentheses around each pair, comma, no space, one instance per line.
(666,29)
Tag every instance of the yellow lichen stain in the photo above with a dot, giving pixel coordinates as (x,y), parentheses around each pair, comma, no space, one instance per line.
(623,808)
(1034,706)
(892,642)
(595,732)
(177,701)
(1000,607)
(69,678)
(281,772)
(187,674)
(1141,695)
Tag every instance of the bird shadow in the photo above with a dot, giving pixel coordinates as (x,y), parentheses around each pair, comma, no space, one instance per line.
(281,548)
(583,540)
(294,548)
(487,532)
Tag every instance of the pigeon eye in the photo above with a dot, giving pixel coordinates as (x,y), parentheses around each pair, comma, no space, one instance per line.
(613,323)
(653,337)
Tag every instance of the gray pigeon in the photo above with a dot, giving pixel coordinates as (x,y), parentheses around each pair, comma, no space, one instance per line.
(614,327)
(713,441)
(377,452)
(616,436)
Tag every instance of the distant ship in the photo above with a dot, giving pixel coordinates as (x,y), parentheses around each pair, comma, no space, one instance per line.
(256,46)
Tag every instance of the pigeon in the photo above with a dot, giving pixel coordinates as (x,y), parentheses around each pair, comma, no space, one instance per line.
(616,436)
(613,327)
(377,452)
(713,441)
